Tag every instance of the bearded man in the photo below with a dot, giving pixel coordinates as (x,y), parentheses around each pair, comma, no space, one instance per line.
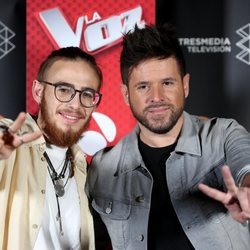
(177,181)
(42,170)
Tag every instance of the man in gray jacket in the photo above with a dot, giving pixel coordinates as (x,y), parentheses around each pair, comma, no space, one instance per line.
(147,189)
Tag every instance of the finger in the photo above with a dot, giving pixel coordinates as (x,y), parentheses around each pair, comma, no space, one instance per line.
(236,212)
(229,180)
(214,193)
(21,141)
(243,196)
(31,136)
(16,125)
(26,138)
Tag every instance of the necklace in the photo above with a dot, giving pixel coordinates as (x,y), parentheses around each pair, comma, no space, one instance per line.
(56,178)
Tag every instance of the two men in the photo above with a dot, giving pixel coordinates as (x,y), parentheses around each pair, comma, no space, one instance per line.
(42,170)
(147,189)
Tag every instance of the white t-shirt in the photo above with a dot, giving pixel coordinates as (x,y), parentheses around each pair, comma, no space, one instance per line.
(49,236)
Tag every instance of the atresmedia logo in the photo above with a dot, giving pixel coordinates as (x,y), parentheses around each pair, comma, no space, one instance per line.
(6,34)
(244,44)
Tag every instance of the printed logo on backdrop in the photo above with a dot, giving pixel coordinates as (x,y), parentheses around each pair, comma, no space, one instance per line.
(92,34)
(220,44)
(244,44)
(206,44)
(93,141)
(6,34)
(99,33)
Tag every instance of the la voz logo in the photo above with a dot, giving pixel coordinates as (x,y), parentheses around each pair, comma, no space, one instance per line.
(98,33)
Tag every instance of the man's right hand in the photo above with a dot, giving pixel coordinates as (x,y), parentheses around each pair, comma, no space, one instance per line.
(9,140)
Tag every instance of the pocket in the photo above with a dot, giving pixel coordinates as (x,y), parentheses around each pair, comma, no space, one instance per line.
(116,215)
(115,210)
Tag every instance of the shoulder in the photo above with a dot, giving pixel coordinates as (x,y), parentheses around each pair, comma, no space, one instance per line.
(109,152)
(214,122)
(215,126)
(113,155)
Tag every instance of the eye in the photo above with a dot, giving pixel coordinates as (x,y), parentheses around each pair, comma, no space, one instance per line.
(88,94)
(167,83)
(143,87)
(64,89)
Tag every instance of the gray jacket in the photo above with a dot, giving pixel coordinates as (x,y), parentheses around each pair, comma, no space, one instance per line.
(120,185)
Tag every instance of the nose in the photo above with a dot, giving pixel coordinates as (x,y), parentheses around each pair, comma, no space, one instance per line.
(156,94)
(75,102)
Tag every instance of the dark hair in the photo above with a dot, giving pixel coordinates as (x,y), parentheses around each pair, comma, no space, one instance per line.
(71,54)
(152,41)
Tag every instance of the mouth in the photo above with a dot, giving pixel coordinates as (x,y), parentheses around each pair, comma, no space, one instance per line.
(157,109)
(71,118)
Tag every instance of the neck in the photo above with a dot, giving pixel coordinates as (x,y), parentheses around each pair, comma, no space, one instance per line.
(161,140)
(56,150)
(56,154)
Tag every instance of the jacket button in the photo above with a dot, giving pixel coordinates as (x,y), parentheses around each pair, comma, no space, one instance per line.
(35,226)
(108,210)
(140,198)
(140,237)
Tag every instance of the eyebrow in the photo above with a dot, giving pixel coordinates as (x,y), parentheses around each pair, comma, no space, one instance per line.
(142,82)
(169,79)
(73,86)
(161,80)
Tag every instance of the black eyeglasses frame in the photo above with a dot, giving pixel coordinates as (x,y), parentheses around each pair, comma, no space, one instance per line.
(97,94)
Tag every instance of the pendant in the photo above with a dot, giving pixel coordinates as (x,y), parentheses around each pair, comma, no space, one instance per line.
(59,188)
(54,176)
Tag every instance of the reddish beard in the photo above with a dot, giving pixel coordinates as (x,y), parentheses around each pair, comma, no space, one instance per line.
(53,134)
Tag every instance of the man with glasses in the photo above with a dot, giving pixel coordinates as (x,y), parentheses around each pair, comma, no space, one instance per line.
(42,170)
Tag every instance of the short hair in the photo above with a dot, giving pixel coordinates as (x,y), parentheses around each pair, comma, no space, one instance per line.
(71,54)
(152,41)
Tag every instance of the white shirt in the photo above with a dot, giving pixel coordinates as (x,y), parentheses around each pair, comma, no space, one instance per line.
(49,236)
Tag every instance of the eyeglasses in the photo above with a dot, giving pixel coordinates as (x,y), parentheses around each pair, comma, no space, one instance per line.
(65,92)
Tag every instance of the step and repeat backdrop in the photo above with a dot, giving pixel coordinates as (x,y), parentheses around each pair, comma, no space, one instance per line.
(80,23)
(12,57)
(214,35)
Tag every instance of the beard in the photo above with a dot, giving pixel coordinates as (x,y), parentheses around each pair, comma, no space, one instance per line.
(53,134)
(158,124)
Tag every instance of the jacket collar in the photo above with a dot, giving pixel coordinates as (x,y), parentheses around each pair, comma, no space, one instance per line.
(130,154)
(188,142)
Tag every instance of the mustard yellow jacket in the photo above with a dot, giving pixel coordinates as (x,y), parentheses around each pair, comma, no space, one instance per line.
(22,193)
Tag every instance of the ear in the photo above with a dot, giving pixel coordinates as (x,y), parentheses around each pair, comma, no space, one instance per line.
(124,90)
(186,79)
(37,91)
